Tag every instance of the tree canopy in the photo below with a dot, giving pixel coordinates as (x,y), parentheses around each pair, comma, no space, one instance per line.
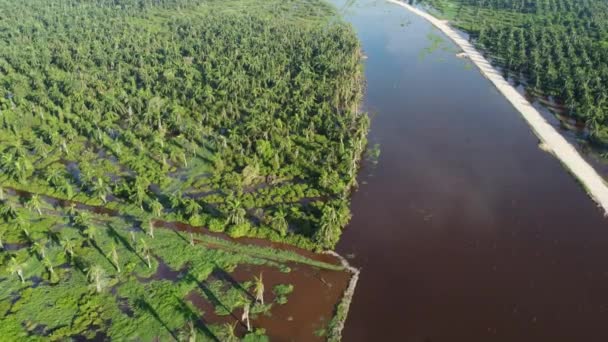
(182,108)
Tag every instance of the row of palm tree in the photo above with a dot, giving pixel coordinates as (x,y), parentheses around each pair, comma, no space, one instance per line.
(555,47)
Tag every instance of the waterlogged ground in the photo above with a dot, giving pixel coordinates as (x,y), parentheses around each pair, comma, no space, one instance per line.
(465,230)
(95,275)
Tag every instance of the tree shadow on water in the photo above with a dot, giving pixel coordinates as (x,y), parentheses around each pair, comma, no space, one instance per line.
(215,301)
(193,316)
(221,274)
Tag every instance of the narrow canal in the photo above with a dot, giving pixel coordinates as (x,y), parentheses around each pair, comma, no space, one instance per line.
(465,230)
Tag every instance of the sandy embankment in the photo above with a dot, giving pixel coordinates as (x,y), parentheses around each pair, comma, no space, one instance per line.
(551,140)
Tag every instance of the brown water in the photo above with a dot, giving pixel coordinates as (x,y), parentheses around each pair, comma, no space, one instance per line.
(465,230)
(309,308)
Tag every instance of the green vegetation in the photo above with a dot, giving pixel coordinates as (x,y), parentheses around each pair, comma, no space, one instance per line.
(120,120)
(234,115)
(557,48)
(68,272)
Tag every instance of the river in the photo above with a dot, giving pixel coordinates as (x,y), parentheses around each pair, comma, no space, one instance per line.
(465,230)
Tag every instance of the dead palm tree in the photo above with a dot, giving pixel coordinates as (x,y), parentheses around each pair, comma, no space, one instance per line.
(96,276)
(259,288)
(114,256)
(151,228)
(145,250)
(191,332)
(245,316)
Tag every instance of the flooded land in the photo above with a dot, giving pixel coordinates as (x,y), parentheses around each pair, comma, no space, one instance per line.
(465,230)
(184,170)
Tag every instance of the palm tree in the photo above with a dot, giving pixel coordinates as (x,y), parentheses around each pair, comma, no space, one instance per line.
(55,177)
(184,159)
(97,277)
(236,213)
(25,233)
(138,190)
(325,236)
(68,247)
(157,208)
(279,222)
(72,211)
(191,207)
(188,334)
(151,228)
(145,250)
(34,203)
(175,199)
(114,256)
(2,232)
(1,193)
(90,232)
(8,210)
(229,332)
(82,220)
(259,288)
(101,190)
(15,267)
(245,316)
(49,266)
(40,248)
(52,235)
(133,240)
(66,188)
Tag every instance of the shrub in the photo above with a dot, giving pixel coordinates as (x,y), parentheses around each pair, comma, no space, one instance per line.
(239,230)
(217,225)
